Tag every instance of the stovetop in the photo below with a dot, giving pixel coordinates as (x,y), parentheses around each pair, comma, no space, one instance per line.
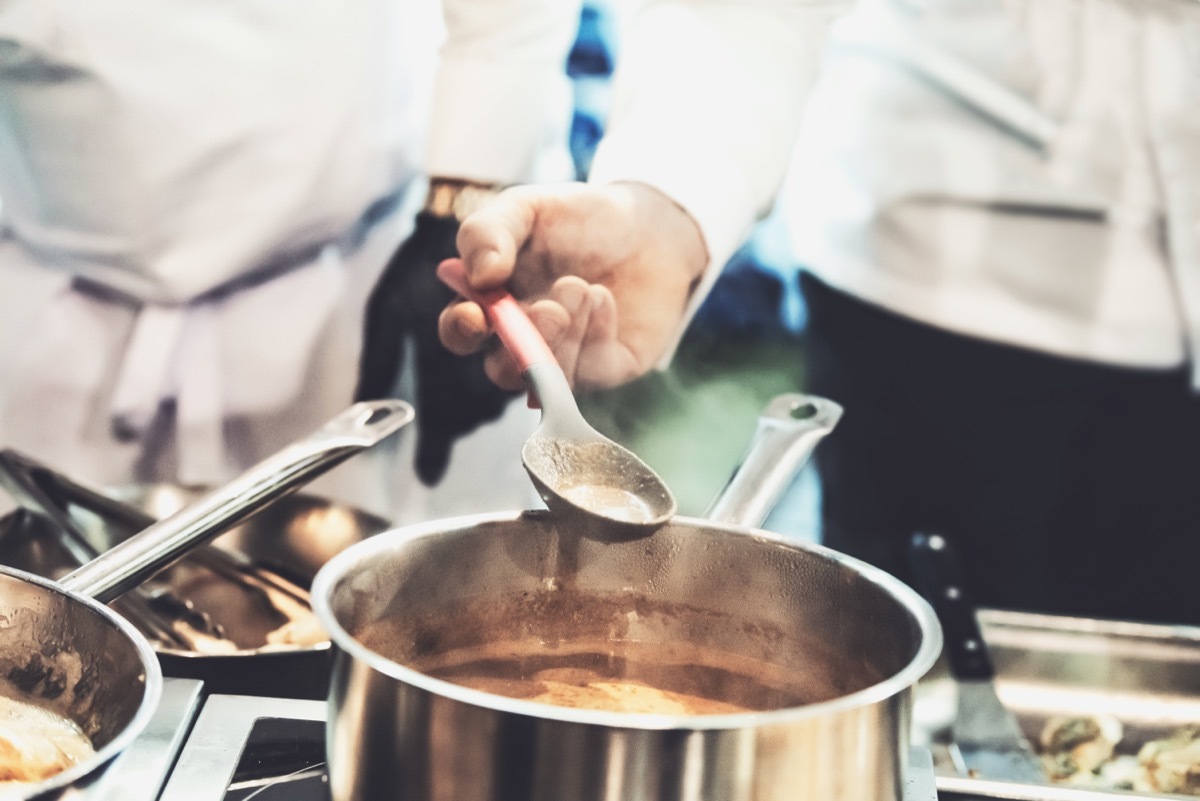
(245,747)
(139,772)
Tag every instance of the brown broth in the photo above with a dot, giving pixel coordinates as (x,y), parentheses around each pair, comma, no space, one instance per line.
(618,676)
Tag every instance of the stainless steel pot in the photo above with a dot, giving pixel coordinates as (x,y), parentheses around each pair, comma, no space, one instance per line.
(854,639)
(63,650)
(247,584)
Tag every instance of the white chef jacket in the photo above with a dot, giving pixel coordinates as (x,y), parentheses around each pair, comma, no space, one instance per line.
(198,198)
(1026,171)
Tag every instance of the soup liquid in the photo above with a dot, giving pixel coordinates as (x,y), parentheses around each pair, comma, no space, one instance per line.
(620,676)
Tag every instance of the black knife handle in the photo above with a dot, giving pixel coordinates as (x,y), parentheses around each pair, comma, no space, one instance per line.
(939,577)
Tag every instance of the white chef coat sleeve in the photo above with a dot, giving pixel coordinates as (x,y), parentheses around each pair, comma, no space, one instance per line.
(708,97)
(502,102)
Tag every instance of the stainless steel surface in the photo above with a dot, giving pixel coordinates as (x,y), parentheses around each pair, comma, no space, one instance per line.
(576,469)
(37,488)
(746,593)
(919,783)
(119,569)
(1145,675)
(293,536)
(207,762)
(859,635)
(75,657)
(287,541)
(63,650)
(565,454)
(787,433)
(141,770)
(988,739)
(979,789)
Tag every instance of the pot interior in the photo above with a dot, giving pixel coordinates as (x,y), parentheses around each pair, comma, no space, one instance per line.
(63,656)
(710,618)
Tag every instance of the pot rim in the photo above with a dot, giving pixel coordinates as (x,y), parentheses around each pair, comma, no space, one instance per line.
(334,570)
(150,697)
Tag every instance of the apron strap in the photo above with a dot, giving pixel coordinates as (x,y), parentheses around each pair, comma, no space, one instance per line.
(145,378)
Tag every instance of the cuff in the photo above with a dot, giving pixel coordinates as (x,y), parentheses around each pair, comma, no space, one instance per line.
(501,123)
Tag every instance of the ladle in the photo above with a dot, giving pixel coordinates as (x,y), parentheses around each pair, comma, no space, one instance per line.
(576,469)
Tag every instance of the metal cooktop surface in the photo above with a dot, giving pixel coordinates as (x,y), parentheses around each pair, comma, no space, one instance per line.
(248,747)
(139,772)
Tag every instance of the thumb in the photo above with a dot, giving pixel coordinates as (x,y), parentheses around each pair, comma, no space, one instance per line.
(490,239)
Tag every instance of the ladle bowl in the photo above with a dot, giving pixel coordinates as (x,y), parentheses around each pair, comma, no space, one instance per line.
(577,470)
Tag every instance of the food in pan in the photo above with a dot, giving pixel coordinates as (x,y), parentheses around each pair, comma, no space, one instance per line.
(1078,746)
(36,744)
(623,652)
(1083,750)
(1172,765)
(583,688)
(303,629)
(585,683)
(629,677)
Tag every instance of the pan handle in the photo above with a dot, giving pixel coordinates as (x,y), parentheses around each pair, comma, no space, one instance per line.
(788,431)
(141,556)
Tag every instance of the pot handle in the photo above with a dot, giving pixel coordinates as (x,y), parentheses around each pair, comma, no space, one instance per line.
(144,554)
(788,431)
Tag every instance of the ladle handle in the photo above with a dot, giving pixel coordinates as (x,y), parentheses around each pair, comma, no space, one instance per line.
(788,431)
(513,326)
(141,556)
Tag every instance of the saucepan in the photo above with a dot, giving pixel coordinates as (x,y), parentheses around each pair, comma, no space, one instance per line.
(234,613)
(527,657)
(65,653)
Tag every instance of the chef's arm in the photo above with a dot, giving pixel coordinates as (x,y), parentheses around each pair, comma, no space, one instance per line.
(502,99)
(708,102)
(501,111)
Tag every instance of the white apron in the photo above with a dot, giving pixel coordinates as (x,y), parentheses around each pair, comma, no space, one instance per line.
(1026,171)
(195,209)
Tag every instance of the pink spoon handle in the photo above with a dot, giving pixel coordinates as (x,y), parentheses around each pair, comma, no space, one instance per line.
(518,333)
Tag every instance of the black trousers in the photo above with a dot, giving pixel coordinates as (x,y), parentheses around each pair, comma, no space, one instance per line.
(1069,487)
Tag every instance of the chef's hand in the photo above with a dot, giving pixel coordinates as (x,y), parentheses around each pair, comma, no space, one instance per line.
(605,272)
(453,395)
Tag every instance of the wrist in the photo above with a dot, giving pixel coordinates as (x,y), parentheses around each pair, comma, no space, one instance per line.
(673,223)
(456,198)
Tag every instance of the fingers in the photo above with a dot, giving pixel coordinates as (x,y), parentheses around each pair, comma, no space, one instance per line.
(603,360)
(565,331)
(542,245)
(556,319)
(578,322)
(488,243)
(463,327)
(490,239)
(502,370)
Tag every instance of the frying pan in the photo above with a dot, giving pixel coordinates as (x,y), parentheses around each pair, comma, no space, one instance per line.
(63,650)
(239,589)
(845,642)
